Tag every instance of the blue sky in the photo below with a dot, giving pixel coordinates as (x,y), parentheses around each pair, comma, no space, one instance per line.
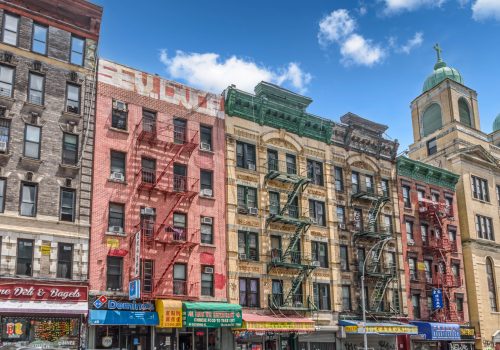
(369,57)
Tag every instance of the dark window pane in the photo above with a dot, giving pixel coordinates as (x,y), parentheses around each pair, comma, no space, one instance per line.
(64,260)
(67,206)
(24,263)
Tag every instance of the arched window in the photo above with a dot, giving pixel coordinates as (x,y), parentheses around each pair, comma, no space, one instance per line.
(463,111)
(492,290)
(431,121)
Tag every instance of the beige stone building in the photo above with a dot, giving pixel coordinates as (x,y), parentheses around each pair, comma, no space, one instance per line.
(447,134)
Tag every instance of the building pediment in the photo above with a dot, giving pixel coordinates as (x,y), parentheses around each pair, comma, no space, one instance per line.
(479,154)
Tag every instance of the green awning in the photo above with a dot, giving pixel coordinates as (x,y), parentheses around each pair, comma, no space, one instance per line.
(211,315)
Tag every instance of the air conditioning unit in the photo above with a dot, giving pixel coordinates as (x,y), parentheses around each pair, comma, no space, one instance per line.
(411,242)
(315,263)
(207,192)
(148,211)
(3,146)
(251,166)
(116,176)
(208,269)
(207,220)
(119,105)
(116,229)
(205,146)
(342,226)
(242,256)
(253,211)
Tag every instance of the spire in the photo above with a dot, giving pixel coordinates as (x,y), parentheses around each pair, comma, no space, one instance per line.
(440,63)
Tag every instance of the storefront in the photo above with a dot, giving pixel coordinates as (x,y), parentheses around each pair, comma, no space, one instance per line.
(36,315)
(380,336)
(121,324)
(269,332)
(467,339)
(436,336)
(195,325)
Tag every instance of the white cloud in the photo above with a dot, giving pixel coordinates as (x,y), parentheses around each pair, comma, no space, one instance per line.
(392,6)
(412,43)
(358,50)
(483,9)
(336,26)
(209,72)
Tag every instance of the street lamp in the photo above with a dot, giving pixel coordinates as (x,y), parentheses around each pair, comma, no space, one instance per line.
(363,296)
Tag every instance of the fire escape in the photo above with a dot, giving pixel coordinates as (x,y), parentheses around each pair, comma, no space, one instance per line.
(379,276)
(291,257)
(438,244)
(174,143)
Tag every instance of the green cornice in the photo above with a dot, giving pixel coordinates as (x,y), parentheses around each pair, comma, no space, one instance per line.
(427,173)
(278,108)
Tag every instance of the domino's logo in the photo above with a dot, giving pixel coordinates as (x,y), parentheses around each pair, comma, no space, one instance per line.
(99,302)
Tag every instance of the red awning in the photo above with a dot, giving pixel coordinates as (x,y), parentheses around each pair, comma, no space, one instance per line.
(270,323)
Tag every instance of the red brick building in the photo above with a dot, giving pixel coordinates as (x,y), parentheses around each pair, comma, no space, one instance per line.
(158,211)
(432,250)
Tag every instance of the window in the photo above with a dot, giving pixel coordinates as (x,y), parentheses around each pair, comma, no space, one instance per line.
(248,245)
(409,231)
(118,163)
(480,189)
(6,81)
(277,293)
(341,214)
(207,230)
(274,203)
(320,253)
(484,227)
(498,186)
(431,147)
(147,222)
(206,138)
(291,164)
(3,189)
(36,89)
(207,281)
(455,271)
(67,205)
(39,42)
(272,160)
(179,224)
(77,50)
(355,182)
(116,218)
(412,266)
(346,298)
(147,273)
(424,232)
(245,156)
(148,170)
(406,196)
(429,303)
(180,178)
(321,292)
(420,195)
(249,292)
(73,98)
(10,29)
(339,179)
(247,197)
(180,285)
(415,301)
(32,141)
(344,258)
(4,135)
(459,299)
(70,149)
(317,212)
(315,172)
(28,199)
(385,188)
(64,260)
(119,116)
(428,270)
(388,223)
(206,183)
(361,259)
(435,197)
(369,184)
(275,248)
(114,273)
(463,111)
(491,280)
(358,219)
(24,263)
(148,121)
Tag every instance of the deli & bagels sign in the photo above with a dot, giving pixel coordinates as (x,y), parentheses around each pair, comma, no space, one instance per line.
(46,292)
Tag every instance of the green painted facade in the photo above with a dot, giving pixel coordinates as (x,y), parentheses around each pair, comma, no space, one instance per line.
(426,173)
(278,108)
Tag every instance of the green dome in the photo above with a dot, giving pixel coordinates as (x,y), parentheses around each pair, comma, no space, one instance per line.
(441,72)
(496,123)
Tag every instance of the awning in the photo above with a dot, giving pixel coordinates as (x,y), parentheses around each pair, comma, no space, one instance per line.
(44,307)
(267,323)
(115,317)
(211,315)
(382,328)
(169,313)
(438,331)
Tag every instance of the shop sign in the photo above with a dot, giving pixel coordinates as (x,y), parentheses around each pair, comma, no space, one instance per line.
(381,329)
(279,325)
(45,249)
(212,319)
(437,298)
(42,292)
(134,289)
(420,266)
(104,303)
(169,313)
(14,329)
(467,333)
(107,341)
(137,261)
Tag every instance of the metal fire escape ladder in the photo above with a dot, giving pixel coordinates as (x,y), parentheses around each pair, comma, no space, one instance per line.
(382,278)
(298,187)
(304,272)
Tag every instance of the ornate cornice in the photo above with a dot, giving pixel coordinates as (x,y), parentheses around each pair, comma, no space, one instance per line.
(427,173)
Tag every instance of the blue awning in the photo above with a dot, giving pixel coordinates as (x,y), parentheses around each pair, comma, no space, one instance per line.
(115,317)
(381,328)
(438,331)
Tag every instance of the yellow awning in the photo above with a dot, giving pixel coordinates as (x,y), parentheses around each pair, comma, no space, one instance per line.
(169,313)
